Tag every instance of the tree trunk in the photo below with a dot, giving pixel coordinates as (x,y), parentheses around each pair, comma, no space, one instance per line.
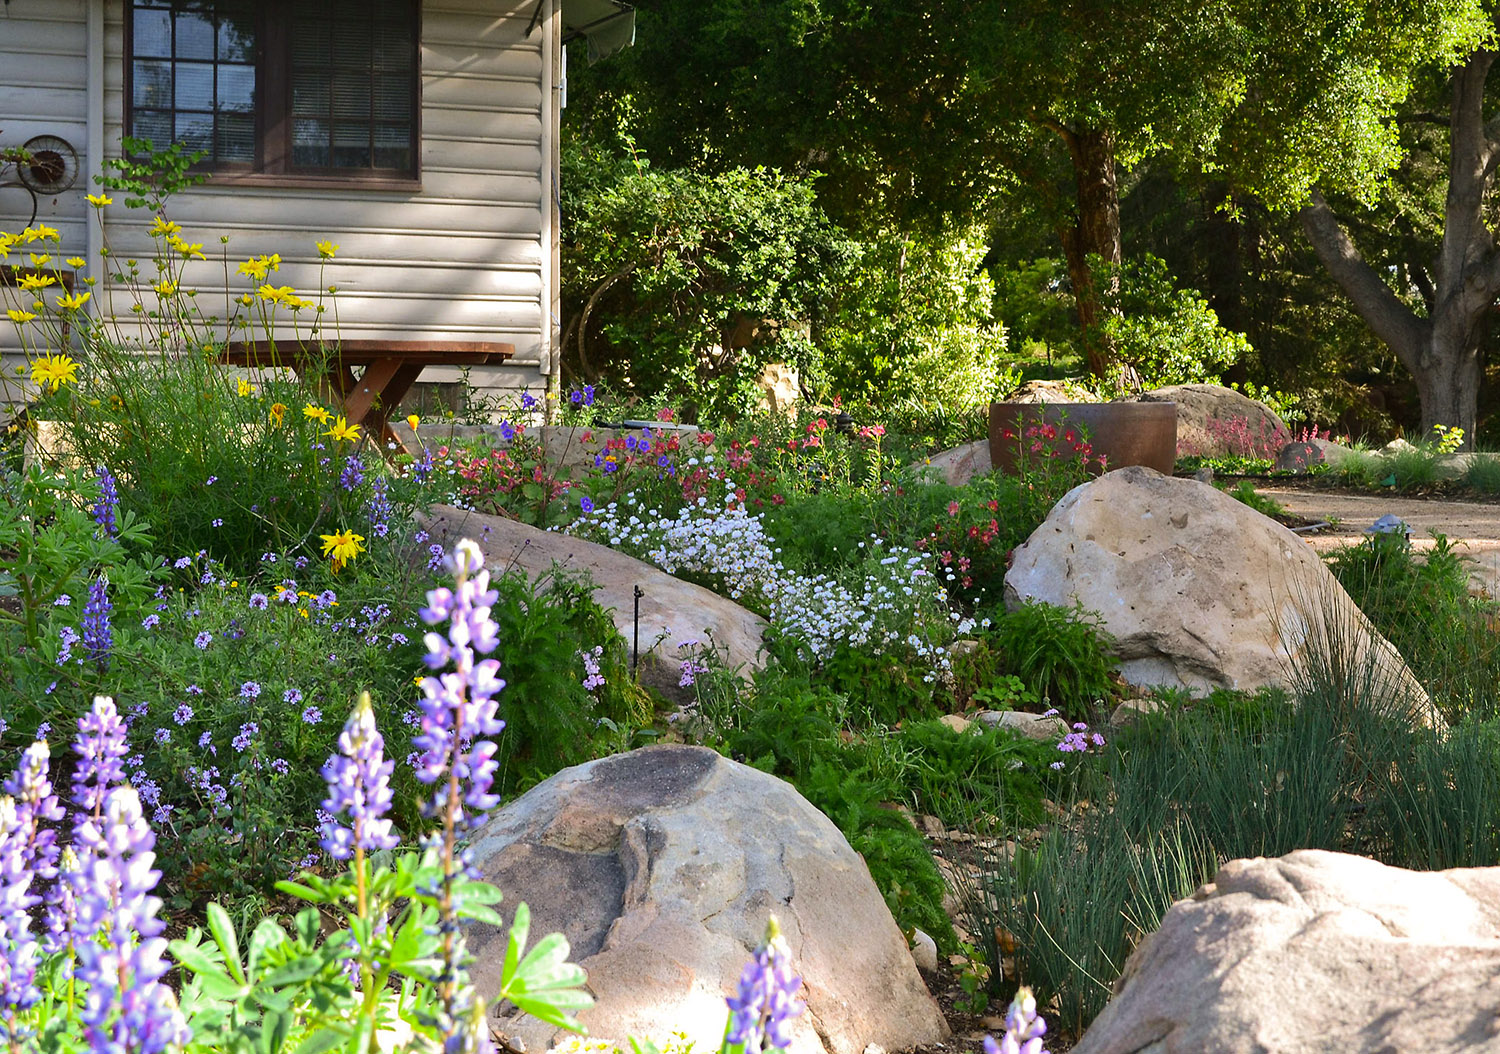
(1442,351)
(1095,231)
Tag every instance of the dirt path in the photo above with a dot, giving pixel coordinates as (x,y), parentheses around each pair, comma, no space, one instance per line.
(1473,527)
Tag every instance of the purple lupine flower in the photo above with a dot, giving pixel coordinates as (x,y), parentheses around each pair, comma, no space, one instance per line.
(359,784)
(18,989)
(62,905)
(1024,1028)
(98,637)
(126,1007)
(62,601)
(459,708)
(69,637)
(767,998)
(109,497)
(100,746)
(353,474)
(421,469)
(31,787)
(151,621)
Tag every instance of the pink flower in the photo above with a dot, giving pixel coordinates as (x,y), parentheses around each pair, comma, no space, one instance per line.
(953,508)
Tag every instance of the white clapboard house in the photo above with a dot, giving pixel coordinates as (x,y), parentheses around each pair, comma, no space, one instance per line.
(421,136)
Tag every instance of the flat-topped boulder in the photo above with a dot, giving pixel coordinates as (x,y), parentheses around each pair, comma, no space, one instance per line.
(661,866)
(1199,590)
(672,612)
(1315,953)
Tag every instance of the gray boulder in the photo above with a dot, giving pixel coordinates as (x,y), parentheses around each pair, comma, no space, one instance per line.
(958,465)
(673,612)
(1213,421)
(1199,590)
(661,867)
(1315,953)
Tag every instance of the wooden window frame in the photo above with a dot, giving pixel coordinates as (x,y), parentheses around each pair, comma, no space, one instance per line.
(273,114)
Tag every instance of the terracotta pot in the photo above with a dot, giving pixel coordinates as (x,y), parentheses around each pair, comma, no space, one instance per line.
(1125,433)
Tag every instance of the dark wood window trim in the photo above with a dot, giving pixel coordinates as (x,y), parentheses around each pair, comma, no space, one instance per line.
(273,121)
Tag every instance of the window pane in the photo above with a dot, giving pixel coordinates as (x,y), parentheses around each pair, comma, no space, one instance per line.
(236,91)
(393,98)
(311,42)
(195,131)
(153,125)
(236,33)
(351,96)
(151,84)
(195,86)
(353,43)
(310,142)
(393,48)
(311,94)
(195,36)
(235,137)
(152,33)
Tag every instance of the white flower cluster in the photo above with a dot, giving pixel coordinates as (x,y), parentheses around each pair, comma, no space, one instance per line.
(892,602)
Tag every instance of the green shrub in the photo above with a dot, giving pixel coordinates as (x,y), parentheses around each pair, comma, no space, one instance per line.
(1061,654)
(1483,473)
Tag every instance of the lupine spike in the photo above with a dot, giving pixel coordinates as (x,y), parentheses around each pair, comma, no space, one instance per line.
(761,1011)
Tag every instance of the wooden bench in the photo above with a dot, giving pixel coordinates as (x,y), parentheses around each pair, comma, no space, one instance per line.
(391,367)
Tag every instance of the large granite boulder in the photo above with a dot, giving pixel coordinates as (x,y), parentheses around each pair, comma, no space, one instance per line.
(1063,391)
(661,866)
(1199,590)
(1315,953)
(1213,421)
(673,612)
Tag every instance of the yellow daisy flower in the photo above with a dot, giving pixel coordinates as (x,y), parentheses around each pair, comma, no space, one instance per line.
(73,301)
(18,316)
(36,281)
(342,430)
(277,413)
(326,249)
(246,388)
(317,413)
(76,261)
(99,200)
(54,371)
(342,547)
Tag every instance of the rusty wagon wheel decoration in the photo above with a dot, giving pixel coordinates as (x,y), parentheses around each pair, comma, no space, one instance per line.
(50,165)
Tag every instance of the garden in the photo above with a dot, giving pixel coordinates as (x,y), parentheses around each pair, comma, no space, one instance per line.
(221,594)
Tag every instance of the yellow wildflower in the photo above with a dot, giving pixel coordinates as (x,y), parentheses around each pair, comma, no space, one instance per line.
(317,413)
(36,281)
(76,261)
(100,200)
(42,232)
(161,226)
(257,267)
(246,388)
(188,251)
(40,260)
(326,249)
(276,294)
(166,287)
(72,301)
(342,547)
(278,412)
(247,299)
(54,371)
(18,316)
(296,303)
(343,431)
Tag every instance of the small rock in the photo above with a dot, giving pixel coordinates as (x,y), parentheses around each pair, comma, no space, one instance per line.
(1032,726)
(932,827)
(876,1048)
(924,952)
(1397,446)
(963,646)
(993,1023)
(1204,474)
(1298,457)
(958,722)
(1131,709)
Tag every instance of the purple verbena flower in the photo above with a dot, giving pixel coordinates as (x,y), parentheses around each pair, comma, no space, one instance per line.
(243,738)
(250,690)
(359,785)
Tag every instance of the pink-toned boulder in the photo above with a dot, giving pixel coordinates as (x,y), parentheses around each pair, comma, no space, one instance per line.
(1315,953)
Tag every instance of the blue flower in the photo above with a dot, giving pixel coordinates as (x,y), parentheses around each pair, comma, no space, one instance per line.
(766,1000)
(586,504)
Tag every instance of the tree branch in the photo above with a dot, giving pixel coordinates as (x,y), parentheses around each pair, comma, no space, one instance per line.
(1390,319)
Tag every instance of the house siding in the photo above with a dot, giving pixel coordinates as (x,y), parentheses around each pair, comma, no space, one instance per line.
(461,259)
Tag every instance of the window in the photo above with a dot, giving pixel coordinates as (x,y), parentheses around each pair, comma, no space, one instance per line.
(284,88)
